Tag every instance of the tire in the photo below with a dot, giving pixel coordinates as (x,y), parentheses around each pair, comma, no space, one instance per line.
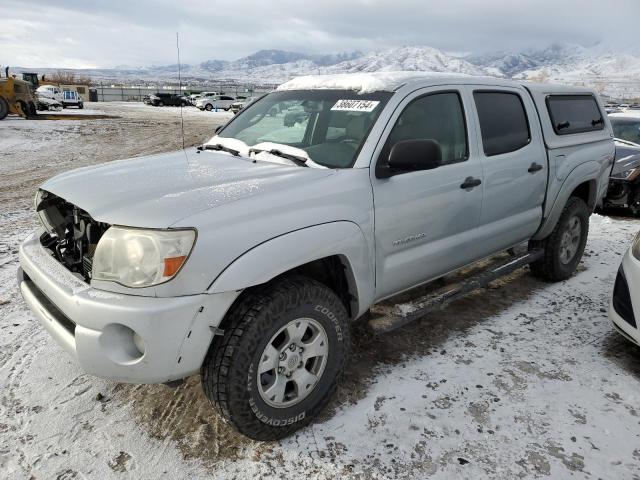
(4,108)
(160,104)
(208,107)
(564,247)
(265,318)
(81,106)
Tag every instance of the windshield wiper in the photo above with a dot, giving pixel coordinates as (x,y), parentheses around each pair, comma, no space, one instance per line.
(298,160)
(219,147)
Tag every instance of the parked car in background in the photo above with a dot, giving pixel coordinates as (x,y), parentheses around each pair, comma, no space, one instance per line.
(241,103)
(195,96)
(71,98)
(624,183)
(47,103)
(248,262)
(625,300)
(626,126)
(167,99)
(50,91)
(215,102)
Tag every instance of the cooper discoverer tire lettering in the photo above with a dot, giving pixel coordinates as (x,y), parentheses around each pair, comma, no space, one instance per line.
(280,359)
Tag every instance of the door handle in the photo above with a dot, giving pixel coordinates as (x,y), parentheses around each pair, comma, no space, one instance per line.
(470,182)
(535,167)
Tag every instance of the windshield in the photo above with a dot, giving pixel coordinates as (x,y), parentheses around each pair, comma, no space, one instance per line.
(626,129)
(329,125)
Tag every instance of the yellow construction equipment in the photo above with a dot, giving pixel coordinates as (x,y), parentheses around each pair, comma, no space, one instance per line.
(16,97)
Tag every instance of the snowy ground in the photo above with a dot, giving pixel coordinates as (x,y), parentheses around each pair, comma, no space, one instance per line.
(522,380)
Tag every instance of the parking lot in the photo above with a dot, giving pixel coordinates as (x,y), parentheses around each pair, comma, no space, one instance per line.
(521,380)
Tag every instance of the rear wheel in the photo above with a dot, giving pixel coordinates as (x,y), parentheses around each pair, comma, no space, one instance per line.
(563,249)
(280,359)
(4,108)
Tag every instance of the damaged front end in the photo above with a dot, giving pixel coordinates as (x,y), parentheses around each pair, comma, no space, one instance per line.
(70,233)
(624,182)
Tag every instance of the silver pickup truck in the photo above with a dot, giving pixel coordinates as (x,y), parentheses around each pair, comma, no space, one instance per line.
(246,259)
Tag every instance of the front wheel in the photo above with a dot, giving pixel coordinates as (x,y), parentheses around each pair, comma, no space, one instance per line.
(208,107)
(564,247)
(280,359)
(4,108)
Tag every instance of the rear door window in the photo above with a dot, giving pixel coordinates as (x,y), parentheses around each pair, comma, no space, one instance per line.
(574,114)
(503,122)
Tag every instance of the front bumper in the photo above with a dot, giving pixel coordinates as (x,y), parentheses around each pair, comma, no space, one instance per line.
(625,301)
(97,327)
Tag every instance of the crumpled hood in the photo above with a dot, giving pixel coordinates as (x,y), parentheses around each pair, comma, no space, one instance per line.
(627,157)
(159,190)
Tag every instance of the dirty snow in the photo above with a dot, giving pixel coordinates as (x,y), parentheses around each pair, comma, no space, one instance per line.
(522,380)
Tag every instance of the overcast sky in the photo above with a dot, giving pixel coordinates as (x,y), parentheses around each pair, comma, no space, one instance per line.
(101,33)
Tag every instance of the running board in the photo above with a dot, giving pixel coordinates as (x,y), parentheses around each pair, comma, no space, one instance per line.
(400,314)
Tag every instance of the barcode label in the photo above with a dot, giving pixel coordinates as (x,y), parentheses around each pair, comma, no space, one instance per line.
(355,105)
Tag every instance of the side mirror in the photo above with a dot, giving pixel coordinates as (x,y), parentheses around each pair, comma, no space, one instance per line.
(413,155)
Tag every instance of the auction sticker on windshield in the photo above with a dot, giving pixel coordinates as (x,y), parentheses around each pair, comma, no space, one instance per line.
(355,105)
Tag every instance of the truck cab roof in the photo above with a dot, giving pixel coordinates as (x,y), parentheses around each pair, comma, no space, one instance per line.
(393,81)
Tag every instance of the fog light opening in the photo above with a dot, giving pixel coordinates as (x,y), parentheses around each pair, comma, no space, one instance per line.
(121,344)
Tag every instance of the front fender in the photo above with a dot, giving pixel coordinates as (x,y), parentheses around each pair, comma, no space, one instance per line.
(286,252)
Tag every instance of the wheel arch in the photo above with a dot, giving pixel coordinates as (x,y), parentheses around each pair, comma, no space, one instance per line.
(582,182)
(335,254)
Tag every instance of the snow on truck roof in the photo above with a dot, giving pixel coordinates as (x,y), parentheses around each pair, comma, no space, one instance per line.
(362,82)
(391,81)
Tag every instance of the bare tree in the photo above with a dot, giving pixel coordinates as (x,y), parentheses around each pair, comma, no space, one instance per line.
(67,77)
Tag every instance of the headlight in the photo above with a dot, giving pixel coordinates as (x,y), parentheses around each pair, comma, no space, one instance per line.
(626,175)
(635,247)
(141,258)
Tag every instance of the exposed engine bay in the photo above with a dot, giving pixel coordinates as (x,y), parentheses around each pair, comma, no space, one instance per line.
(71,234)
(624,183)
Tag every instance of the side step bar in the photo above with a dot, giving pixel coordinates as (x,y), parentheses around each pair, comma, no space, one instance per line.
(401,314)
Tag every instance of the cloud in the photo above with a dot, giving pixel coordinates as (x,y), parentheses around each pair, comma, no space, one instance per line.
(100,33)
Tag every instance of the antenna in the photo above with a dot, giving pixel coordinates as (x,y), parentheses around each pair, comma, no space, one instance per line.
(180,87)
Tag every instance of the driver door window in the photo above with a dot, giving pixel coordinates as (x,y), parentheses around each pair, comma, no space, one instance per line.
(438,117)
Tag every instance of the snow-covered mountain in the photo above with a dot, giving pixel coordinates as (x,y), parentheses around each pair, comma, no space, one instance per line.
(559,59)
(409,59)
(611,71)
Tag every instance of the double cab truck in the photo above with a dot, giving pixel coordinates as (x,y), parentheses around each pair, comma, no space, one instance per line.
(246,259)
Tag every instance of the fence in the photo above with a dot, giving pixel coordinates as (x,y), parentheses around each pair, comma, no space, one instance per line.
(111,93)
